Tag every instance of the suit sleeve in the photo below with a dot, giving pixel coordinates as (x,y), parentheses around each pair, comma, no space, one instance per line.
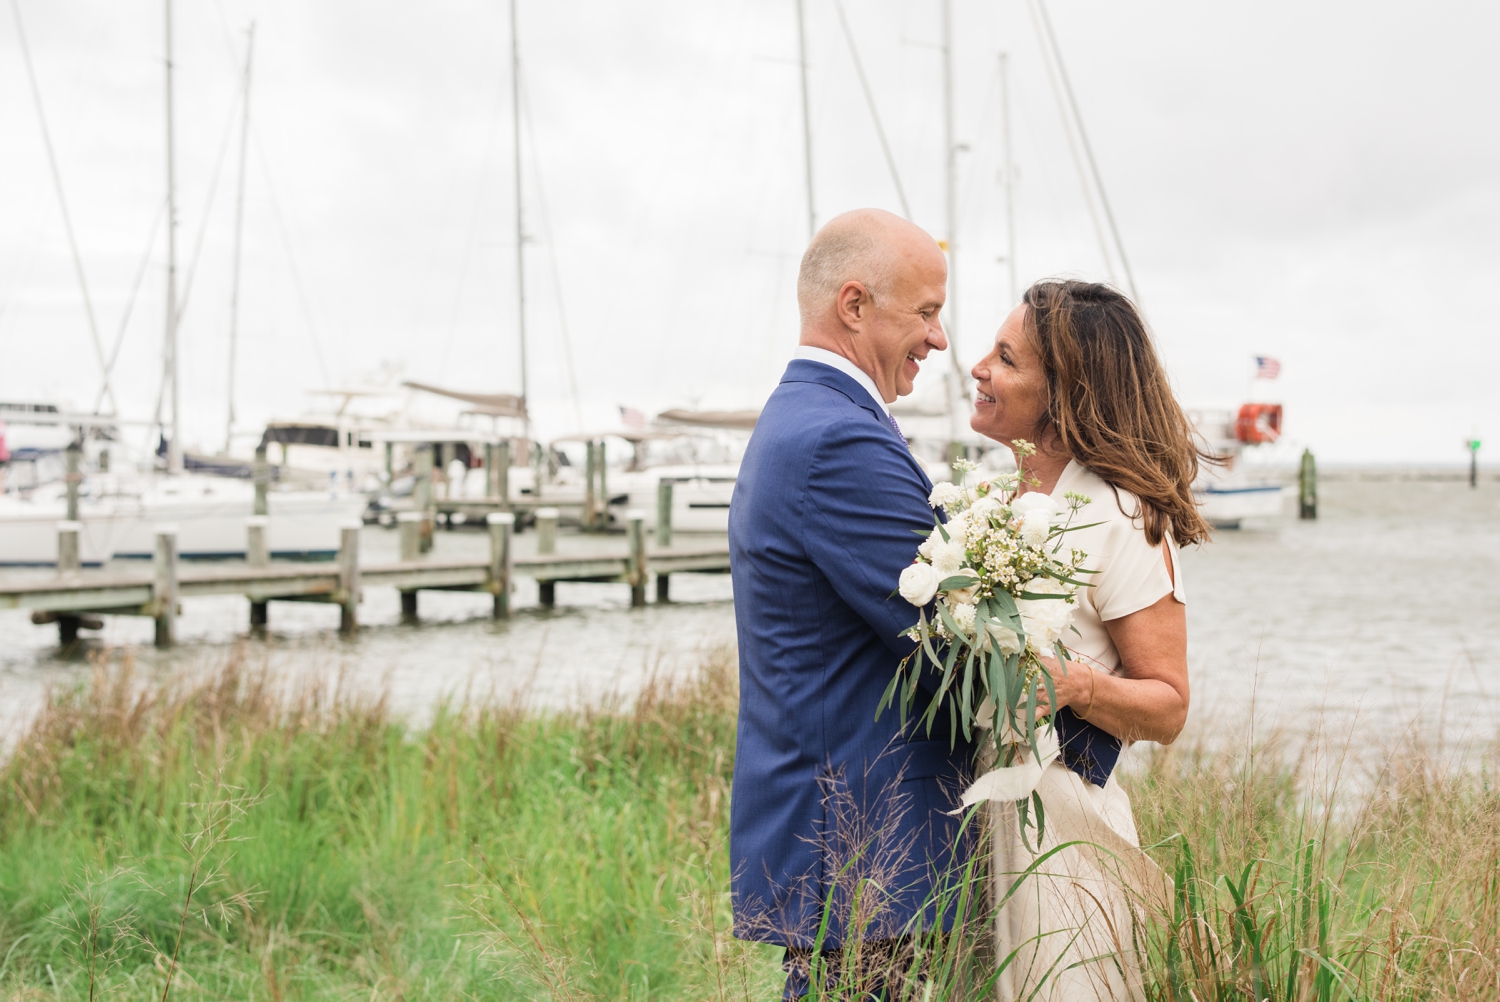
(866,503)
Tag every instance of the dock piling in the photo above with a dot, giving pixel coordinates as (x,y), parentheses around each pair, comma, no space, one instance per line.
(637,569)
(497,469)
(258,554)
(164,585)
(348,593)
(1473,447)
(261,470)
(257,547)
(68,558)
(664,535)
(590,498)
(409,524)
(1307,487)
(421,493)
(73,477)
(546,542)
(501,524)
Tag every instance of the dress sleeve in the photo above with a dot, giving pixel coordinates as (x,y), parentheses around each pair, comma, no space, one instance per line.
(1134,575)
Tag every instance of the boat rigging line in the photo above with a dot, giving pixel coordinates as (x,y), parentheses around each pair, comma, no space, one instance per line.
(169,353)
(239,234)
(859,69)
(1051,43)
(807,155)
(551,242)
(135,288)
(88,304)
(1010,179)
(515,111)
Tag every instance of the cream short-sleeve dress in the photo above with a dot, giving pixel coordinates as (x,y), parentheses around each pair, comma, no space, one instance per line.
(1074,922)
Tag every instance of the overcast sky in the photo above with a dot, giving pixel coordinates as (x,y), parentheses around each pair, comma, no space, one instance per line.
(1320,183)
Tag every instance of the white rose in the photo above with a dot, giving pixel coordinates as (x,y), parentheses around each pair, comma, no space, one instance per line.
(984,508)
(948,557)
(963,615)
(1035,526)
(1007,641)
(1035,501)
(966,593)
(934,538)
(918,584)
(945,495)
(1045,619)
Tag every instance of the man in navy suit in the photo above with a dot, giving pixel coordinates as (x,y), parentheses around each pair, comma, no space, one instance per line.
(829,804)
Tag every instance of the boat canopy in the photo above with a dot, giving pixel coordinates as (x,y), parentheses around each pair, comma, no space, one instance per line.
(488,404)
(739,420)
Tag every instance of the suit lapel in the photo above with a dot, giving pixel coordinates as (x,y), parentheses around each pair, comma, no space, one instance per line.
(805,370)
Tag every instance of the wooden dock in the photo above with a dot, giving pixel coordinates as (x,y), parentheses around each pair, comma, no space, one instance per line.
(75,598)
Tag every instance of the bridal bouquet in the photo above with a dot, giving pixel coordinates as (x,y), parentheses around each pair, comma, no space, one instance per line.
(1006,586)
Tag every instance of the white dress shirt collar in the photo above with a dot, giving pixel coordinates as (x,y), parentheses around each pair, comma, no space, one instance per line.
(845,366)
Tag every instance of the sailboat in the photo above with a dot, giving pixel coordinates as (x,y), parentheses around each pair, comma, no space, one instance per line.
(119,511)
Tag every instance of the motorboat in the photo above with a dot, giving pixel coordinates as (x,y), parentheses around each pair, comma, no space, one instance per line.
(1230,493)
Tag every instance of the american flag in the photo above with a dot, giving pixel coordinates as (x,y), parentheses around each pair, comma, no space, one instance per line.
(1266,367)
(632,418)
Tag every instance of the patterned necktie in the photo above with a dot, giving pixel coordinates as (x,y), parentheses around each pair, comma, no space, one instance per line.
(892,419)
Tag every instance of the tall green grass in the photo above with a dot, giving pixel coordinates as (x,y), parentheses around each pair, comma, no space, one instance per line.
(238,837)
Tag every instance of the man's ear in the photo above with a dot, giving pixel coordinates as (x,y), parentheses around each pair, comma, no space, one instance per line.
(853,304)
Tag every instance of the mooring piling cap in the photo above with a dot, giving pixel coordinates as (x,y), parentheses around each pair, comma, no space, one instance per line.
(500,518)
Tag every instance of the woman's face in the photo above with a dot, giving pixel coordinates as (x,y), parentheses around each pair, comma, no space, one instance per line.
(1011,398)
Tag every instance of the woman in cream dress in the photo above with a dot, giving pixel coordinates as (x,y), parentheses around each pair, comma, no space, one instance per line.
(1074,372)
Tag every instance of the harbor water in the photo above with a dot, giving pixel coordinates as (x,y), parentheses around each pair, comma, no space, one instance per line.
(1383,611)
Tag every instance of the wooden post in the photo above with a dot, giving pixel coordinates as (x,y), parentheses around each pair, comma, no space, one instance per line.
(603,490)
(390,462)
(103,460)
(590,498)
(409,524)
(257,546)
(73,456)
(68,558)
(501,524)
(546,542)
(636,519)
(257,554)
(348,594)
(262,473)
(1307,487)
(164,585)
(1473,445)
(421,492)
(664,535)
(956,451)
(500,479)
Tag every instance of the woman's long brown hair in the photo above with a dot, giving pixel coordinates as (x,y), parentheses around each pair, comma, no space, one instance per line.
(1111,406)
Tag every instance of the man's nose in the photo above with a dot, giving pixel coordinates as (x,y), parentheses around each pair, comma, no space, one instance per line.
(936,337)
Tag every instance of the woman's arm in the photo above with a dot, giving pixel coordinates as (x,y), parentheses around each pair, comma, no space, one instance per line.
(1148,700)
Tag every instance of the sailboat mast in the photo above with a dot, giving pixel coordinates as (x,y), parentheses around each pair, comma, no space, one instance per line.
(239,228)
(174,442)
(1010,179)
(950,205)
(807,162)
(515,115)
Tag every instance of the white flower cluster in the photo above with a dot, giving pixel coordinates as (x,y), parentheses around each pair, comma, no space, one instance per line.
(997,540)
(1005,588)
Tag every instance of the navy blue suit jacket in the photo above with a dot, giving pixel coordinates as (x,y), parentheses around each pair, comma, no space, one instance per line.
(820,527)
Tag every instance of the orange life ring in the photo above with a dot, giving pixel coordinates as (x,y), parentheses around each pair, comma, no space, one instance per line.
(1258,423)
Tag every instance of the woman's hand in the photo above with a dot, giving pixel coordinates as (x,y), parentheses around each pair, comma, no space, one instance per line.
(1147,700)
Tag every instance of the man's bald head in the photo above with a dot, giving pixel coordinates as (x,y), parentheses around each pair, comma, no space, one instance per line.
(867,246)
(870,288)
